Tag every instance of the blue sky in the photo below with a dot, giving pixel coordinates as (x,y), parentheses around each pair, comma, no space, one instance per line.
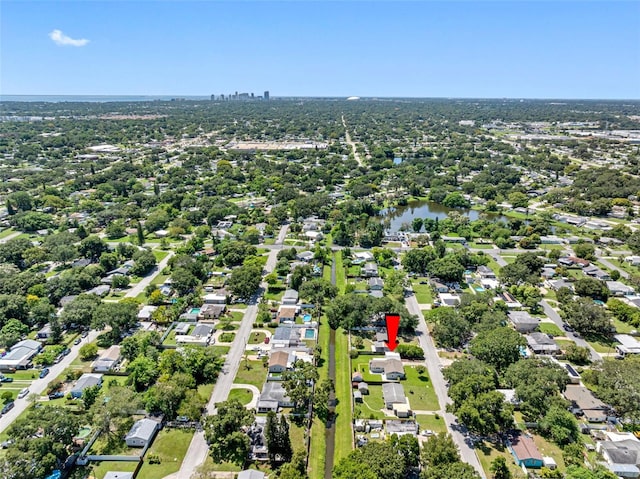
(539,49)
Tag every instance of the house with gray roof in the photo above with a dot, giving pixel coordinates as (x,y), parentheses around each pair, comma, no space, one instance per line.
(142,432)
(85,381)
(273,397)
(540,343)
(251,474)
(622,457)
(20,355)
(393,393)
(522,321)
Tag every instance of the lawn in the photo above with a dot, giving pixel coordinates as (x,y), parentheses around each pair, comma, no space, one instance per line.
(344,434)
(243,395)
(257,338)
(7,232)
(488,452)
(160,255)
(372,404)
(429,421)
(297,435)
(256,374)
(419,390)
(340,273)
(622,328)
(205,390)
(317,450)
(481,246)
(423,293)
(170,446)
(100,469)
(564,343)
(550,328)
(549,449)
(601,344)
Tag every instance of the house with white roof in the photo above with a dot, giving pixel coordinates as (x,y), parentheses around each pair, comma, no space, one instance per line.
(142,432)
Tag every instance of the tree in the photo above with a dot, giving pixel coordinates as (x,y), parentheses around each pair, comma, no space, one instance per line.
(88,351)
(618,385)
(321,398)
(577,354)
(223,432)
(486,413)
(439,450)
(183,281)
(298,381)
(245,280)
(560,425)
(518,200)
(499,347)
(140,234)
(587,317)
(192,405)
(278,440)
(144,262)
(447,269)
(89,396)
(417,260)
(143,371)
(585,250)
(120,281)
(592,288)
(296,469)
(80,311)
(317,291)
(374,460)
(459,470)
(416,224)
(500,469)
(115,230)
(451,330)
(120,316)
(12,332)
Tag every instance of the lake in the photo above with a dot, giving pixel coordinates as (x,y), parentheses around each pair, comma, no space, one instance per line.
(428,209)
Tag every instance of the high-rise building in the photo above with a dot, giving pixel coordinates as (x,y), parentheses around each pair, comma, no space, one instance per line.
(266,95)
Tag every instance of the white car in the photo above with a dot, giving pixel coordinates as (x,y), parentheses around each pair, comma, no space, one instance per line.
(427,432)
(23,393)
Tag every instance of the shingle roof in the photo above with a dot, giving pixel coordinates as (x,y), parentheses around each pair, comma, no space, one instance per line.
(525,448)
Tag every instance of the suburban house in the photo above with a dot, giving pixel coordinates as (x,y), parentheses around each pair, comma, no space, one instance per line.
(453,239)
(364,256)
(142,432)
(287,313)
(633,260)
(522,321)
(376,284)
(182,328)
(390,367)
(305,256)
(556,284)
(583,402)
(619,289)
(526,452)
(396,426)
(145,313)
(212,311)
(285,336)
(551,239)
(621,453)
(485,272)
(278,361)
(107,360)
(395,400)
(87,380)
(251,474)
(290,297)
(259,449)
(272,397)
(540,343)
(20,354)
(548,273)
(118,475)
(448,299)
(509,300)
(45,333)
(213,298)
(369,270)
(628,344)
(200,336)
(439,287)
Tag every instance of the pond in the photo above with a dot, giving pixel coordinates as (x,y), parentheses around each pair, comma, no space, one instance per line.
(429,209)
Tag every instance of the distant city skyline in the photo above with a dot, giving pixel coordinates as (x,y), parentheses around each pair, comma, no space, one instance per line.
(420,49)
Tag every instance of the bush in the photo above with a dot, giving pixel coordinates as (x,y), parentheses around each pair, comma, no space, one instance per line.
(88,351)
(410,351)
(353,354)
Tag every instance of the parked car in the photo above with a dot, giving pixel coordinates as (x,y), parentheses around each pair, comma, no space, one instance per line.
(66,351)
(77,340)
(5,379)
(56,395)
(23,393)
(7,407)
(44,372)
(84,334)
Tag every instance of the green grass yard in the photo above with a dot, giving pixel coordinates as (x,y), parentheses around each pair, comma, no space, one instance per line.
(243,395)
(344,434)
(550,328)
(256,374)
(170,445)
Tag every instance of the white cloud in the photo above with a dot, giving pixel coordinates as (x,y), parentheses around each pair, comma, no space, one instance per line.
(62,40)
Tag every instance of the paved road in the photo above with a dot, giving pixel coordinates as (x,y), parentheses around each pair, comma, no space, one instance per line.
(198,449)
(555,317)
(39,386)
(146,281)
(347,137)
(437,380)
(610,265)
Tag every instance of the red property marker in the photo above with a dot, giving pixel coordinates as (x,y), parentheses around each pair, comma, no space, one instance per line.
(393,323)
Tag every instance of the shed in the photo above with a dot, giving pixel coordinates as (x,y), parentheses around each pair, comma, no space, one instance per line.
(141,433)
(357,396)
(549,463)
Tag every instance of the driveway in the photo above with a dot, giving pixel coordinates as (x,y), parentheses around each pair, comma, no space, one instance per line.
(256,394)
(432,360)
(39,386)
(146,281)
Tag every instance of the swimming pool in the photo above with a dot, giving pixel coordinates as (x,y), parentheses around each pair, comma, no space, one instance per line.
(479,289)
(194,311)
(306,318)
(309,334)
